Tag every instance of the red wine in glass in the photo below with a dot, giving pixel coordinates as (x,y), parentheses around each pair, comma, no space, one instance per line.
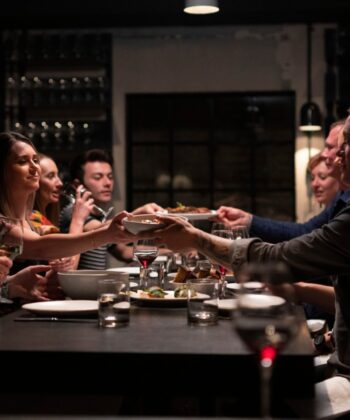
(146,258)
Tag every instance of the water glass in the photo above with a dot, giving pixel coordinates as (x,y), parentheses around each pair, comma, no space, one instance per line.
(152,276)
(159,267)
(114,301)
(202,302)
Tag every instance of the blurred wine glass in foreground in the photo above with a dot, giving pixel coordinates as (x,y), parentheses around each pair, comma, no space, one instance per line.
(265,318)
(11,237)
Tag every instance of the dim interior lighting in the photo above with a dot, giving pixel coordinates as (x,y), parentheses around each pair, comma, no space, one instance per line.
(310,115)
(201,7)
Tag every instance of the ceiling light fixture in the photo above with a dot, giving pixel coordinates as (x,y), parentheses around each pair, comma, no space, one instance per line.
(201,7)
(310,115)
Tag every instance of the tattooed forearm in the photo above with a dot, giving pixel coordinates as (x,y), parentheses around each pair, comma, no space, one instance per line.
(215,248)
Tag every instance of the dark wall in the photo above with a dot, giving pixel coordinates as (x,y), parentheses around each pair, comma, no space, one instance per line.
(129,13)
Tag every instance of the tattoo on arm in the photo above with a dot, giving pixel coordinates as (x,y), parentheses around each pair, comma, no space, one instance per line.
(215,248)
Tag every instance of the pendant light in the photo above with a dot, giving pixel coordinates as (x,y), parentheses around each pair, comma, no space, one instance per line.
(310,115)
(201,7)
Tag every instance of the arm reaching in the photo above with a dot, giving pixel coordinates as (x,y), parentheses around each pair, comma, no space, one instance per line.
(234,217)
(63,245)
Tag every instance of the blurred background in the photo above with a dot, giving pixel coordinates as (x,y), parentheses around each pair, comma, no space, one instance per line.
(198,109)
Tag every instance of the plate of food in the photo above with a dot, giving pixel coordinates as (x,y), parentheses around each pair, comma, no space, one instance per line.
(142,222)
(155,296)
(63,307)
(190,212)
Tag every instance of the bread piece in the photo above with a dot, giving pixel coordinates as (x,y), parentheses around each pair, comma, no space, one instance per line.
(183,274)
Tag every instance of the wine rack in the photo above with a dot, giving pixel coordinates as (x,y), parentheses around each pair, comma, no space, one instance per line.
(57,90)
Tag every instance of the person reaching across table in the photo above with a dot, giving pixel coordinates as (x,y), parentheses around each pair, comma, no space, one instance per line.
(276,231)
(19,181)
(94,169)
(325,251)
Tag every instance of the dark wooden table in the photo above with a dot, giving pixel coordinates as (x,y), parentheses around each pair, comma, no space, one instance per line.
(158,347)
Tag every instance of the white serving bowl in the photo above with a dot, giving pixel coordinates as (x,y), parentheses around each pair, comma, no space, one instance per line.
(141,223)
(82,284)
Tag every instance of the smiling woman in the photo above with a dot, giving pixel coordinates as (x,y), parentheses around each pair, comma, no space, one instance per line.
(19,180)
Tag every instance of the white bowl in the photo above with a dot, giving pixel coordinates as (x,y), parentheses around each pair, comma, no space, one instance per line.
(316,326)
(142,223)
(82,284)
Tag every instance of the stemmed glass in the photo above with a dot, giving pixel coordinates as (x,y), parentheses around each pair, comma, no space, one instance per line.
(239,232)
(146,251)
(223,231)
(11,241)
(11,237)
(265,318)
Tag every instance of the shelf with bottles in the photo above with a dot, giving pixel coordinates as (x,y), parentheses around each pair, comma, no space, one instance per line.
(65,136)
(53,92)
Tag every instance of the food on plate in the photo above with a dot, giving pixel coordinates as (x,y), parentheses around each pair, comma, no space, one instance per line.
(182,292)
(187,209)
(154,292)
(151,221)
(183,274)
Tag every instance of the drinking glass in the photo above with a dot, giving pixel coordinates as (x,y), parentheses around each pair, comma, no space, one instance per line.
(114,301)
(265,318)
(239,232)
(146,251)
(223,231)
(11,237)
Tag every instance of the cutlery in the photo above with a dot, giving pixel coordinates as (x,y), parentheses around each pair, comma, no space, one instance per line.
(55,319)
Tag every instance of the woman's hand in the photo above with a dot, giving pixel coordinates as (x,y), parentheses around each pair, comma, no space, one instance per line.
(5,265)
(117,230)
(28,284)
(62,264)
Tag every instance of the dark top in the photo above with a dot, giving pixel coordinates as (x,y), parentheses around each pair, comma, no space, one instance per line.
(324,251)
(276,231)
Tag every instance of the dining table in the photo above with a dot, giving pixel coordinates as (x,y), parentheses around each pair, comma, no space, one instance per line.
(152,364)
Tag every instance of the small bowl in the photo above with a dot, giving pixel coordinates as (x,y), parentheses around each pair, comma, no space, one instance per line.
(82,284)
(142,223)
(317,326)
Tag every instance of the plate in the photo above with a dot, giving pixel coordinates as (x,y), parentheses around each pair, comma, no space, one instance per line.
(193,216)
(63,307)
(224,304)
(142,223)
(133,271)
(259,301)
(168,300)
(251,285)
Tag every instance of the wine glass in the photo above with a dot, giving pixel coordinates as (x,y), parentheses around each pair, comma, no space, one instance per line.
(146,251)
(239,232)
(11,237)
(223,231)
(266,318)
